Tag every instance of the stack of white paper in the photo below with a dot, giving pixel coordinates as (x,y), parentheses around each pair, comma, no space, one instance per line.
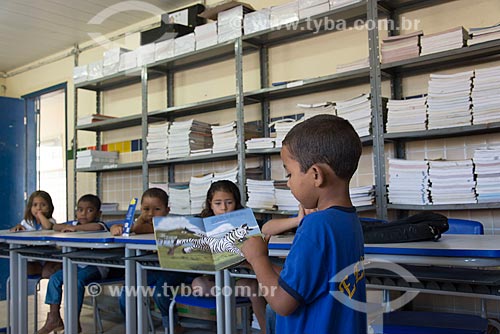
(230,24)
(358,112)
(284,198)
(322,108)
(408,182)
(259,143)
(206,35)
(452,181)
(399,47)
(231,175)
(128,61)
(257,21)
(484,34)
(96,159)
(308,8)
(157,141)
(407,115)
(111,60)
(89,119)
(164,49)
(261,194)
(179,200)
(94,70)
(160,185)
(184,44)
(187,136)
(454,38)
(354,65)
(449,100)
(487,170)
(486,96)
(282,127)
(145,54)
(224,137)
(334,4)
(284,14)
(198,187)
(362,196)
(80,74)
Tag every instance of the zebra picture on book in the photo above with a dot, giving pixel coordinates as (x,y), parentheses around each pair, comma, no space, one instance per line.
(214,245)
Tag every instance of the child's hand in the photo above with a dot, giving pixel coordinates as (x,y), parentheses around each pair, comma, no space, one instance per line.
(16,228)
(69,228)
(116,229)
(254,248)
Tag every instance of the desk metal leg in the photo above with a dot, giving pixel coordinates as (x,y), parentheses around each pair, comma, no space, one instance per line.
(70,295)
(130,300)
(229,302)
(141,298)
(219,284)
(14,290)
(23,294)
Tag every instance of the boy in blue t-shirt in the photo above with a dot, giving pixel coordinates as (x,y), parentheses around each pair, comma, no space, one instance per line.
(320,156)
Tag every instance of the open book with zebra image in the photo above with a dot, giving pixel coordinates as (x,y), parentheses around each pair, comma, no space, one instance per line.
(211,243)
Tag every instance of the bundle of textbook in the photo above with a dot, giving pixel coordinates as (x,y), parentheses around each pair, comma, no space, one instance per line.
(205,244)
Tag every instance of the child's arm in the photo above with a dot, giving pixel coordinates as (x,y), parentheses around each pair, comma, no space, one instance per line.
(18,227)
(142,226)
(255,251)
(46,224)
(79,227)
(281,225)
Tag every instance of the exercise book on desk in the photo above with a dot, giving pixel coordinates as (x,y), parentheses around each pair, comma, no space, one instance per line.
(282,241)
(211,243)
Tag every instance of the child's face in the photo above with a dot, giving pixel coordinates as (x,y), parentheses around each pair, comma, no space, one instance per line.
(301,184)
(222,202)
(153,207)
(39,205)
(86,212)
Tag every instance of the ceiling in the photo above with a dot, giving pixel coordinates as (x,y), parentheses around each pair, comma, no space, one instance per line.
(34,29)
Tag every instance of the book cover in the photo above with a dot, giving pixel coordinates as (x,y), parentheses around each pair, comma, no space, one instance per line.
(129,218)
(211,243)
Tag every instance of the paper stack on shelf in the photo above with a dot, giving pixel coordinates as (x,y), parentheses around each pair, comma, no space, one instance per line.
(205,35)
(179,199)
(354,65)
(80,74)
(224,137)
(160,185)
(281,128)
(408,182)
(334,4)
(284,198)
(257,21)
(358,112)
(164,49)
(198,187)
(184,44)
(449,100)
(261,194)
(322,108)
(231,175)
(454,38)
(128,61)
(486,96)
(362,196)
(452,182)
(230,23)
(284,14)
(484,34)
(395,48)
(187,136)
(89,119)
(407,115)
(145,54)
(95,70)
(111,60)
(308,8)
(157,141)
(487,170)
(109,207)
(96,159)
(259,143)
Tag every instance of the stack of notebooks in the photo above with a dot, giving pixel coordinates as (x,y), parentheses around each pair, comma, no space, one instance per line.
(261,194)
(452,182)
(334,4)
(224,137)
(355,65)
(358,112)
(188,138)
(395,48)
(284,198)
(231,175)
(198,187)
(259,143)
(486,96)
(407,115)
(449,100)
(408,182)
(314,109)
(454,38)
(487,170)
(362,196)
(92,119)
(157,141)
(484,34)
(281,128)
(96,159)
(179,199)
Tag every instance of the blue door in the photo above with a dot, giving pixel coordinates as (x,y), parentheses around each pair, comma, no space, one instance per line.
(12,170)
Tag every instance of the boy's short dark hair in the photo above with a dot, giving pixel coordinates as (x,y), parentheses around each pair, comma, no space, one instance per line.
(325,139)
(156,193)
(92,199)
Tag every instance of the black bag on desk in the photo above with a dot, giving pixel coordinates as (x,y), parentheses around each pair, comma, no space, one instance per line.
(419,227)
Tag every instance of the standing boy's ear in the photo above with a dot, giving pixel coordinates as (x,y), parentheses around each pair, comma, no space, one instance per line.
(318,174)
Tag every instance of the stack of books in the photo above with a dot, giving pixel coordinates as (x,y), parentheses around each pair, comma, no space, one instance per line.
(407,115)
(157,141)
(179,199)
(224,137)
(452,182)
(259,143)
(487,170)
(198,187)
(454,38)
(362,196)
(395,48)
(281,128)
(206,35)
(449,100)
(89,119)
(314,109)
(284,198)
(261,194)
(96,159)
(358,112)
(354,65)
(408,182)
(484,34)
(188,136)
(334,4)
(231,175)
(486,96)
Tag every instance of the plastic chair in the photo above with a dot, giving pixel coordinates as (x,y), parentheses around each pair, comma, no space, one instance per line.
(463,226)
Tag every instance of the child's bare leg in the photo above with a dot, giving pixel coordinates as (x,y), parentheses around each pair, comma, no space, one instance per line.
(49,268)
(203,286)
(54,322)
(34,268)
(249,288)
